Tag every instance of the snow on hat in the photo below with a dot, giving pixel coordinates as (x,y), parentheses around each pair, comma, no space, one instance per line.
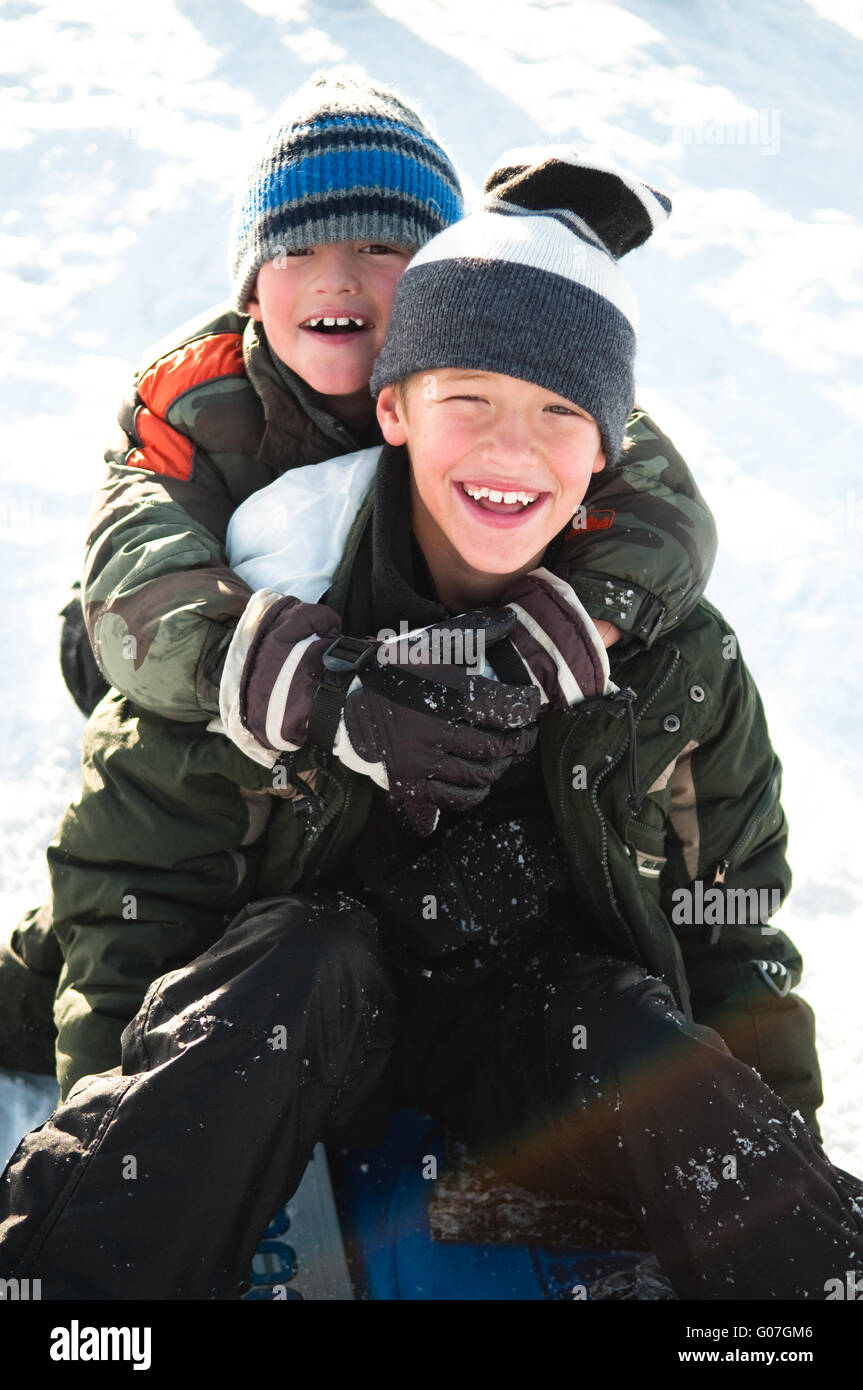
(345,159)
(530,286)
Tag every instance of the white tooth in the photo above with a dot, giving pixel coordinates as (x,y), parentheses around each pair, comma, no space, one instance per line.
(495,496)
(358,322)
(312,322)
(328,323)
(510,497)
(342,322)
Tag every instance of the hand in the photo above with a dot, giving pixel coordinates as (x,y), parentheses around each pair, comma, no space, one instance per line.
(436,735)
(557,640)
(432,733)
(607,631)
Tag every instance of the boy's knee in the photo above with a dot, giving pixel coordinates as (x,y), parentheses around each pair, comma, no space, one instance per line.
(327,927)
(276,957)
(30,961)
(612,1012)
(296,980)
(610,989)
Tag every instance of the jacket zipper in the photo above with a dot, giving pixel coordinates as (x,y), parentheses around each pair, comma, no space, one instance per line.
(341,810)
(649,697)
(320,819)
(765,804)
(594,794)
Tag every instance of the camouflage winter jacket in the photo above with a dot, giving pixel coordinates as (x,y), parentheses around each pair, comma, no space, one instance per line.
(212,418)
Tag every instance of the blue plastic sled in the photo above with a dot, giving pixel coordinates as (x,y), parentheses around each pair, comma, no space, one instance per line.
(358,1228)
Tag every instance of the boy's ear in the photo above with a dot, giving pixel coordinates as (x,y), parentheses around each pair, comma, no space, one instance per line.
(392,416)
(253,306)
(599,462)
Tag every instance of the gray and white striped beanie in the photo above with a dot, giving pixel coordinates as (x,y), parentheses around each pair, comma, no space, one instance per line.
(530,286)
(345,159)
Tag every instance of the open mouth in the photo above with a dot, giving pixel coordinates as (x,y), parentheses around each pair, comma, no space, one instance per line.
(501,501)
(344,323)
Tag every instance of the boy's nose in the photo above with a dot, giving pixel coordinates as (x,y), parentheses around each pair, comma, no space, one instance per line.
(336,270)
(510,441)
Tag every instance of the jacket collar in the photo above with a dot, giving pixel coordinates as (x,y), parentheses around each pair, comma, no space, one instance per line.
(295,417)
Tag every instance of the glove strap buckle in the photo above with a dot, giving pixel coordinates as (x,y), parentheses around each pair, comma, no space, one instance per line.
(347,655)
(342,660)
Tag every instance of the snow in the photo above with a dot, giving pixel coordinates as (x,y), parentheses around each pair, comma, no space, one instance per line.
(122,133)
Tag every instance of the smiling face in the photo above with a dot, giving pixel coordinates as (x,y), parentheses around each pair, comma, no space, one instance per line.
(325,311)
(498,468)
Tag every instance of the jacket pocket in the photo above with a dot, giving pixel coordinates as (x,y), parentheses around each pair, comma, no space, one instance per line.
(764,806)
(645,845)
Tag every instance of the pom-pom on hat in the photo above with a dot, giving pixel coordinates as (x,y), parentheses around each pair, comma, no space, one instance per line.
(345,159)
(530,286)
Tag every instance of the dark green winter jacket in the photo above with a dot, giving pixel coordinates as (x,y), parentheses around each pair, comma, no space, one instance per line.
(705,772)
(686,885)
(142,884)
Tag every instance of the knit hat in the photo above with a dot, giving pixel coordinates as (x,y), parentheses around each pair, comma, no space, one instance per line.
(530,286)
(345,159)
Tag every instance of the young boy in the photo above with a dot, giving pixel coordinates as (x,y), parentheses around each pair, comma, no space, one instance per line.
(348,184)
(513,968)
(161,849)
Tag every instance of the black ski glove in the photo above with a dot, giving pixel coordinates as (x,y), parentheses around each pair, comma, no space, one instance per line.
(436,735)
(412,713)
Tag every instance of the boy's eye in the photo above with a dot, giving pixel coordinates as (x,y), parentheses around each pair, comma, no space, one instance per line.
(302,251)
(564,410)
(464,398)
(376,248)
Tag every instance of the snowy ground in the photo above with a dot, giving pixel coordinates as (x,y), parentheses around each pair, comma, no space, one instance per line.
(122,132)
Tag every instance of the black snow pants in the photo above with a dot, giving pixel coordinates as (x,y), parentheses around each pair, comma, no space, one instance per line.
(156,1180)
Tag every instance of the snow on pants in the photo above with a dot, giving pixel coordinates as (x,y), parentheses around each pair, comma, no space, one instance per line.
(157,1180)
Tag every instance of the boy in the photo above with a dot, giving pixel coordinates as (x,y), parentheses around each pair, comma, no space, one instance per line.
(545,925)
(162,847)
(348,184)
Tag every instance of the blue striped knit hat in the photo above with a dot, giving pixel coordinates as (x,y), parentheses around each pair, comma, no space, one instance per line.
(345,159)
(530,286)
